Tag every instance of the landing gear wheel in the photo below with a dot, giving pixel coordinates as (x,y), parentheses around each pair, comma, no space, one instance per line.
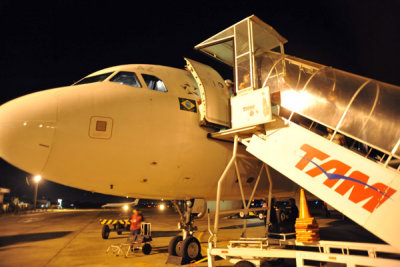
(146,249)
(244,264)
(191,249)
(172,247)
(178,249)
(105,232)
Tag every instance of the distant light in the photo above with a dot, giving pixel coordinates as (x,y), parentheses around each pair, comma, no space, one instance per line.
(125,207)
(162,207)
(25,123)
(37,178)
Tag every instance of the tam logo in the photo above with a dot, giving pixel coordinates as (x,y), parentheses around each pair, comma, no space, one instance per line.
(356,181)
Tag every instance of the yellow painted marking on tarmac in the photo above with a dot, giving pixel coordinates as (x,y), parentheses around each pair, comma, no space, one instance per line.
(200,261)
(200,236)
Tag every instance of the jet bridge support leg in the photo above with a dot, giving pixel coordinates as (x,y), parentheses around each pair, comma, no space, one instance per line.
(269,200)
(246,207)
(220,181)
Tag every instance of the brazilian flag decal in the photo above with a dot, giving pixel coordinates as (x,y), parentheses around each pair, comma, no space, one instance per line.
(187,104)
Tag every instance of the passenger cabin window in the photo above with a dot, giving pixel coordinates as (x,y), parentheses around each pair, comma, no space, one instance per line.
(154,83)
(93,79)
(127,78)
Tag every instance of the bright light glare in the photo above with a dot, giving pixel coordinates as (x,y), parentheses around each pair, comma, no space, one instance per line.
(37,178)
(293,100)
(162,207)
(125,207)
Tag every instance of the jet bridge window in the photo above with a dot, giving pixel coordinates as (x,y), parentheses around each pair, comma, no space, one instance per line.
(93,79)
(128,78)
(154,83)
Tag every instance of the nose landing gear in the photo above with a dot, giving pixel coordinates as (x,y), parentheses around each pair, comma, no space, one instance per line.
(185,248)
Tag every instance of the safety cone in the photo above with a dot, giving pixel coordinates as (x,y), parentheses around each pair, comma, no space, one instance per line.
(307,230)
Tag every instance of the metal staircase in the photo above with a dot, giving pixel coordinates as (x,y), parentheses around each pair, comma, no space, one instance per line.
(333,133)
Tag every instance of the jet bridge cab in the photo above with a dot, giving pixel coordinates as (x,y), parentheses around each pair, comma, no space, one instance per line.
(238,46)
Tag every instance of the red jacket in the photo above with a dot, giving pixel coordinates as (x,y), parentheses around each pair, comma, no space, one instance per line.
(136,220)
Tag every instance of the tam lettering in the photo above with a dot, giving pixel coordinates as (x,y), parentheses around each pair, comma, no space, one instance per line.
(357,181)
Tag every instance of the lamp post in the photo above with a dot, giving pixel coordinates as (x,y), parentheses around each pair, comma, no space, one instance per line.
(37,179)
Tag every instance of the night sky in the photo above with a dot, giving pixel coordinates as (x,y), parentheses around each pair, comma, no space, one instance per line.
(47,44)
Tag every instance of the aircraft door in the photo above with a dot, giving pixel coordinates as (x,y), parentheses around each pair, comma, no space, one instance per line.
(215,97)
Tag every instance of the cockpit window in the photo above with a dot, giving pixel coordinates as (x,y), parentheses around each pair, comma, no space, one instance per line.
(154,83)
(128,78)
(93,79)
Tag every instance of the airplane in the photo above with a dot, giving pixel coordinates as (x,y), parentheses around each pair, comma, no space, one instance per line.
(124,206)
(130,130)
(142,131)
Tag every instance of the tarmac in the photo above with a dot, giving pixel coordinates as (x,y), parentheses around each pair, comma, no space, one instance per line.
(73,237)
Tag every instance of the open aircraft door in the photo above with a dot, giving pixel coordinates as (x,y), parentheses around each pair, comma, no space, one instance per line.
(214,108)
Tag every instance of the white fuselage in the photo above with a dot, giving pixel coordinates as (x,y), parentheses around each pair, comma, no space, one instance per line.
(149,148)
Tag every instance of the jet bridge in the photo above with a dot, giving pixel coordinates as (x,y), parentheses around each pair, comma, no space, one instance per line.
(333,133)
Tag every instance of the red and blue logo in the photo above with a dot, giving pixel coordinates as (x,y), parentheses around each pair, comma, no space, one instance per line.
(356,182)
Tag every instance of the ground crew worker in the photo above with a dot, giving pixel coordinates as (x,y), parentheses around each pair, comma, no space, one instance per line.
(229,85)
(246,81)
(136,220)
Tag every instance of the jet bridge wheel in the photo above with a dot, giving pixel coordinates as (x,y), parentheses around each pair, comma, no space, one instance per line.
(244,264)
(274,262)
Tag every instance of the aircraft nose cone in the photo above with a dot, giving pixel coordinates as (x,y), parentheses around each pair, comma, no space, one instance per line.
(27,127)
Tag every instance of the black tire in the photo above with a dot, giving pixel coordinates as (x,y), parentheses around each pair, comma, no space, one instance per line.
(282,218)
(191,249)
(105,232)
(173,244)
(178,249)
(270,263)
(244,264)
(119,228)
(146,249)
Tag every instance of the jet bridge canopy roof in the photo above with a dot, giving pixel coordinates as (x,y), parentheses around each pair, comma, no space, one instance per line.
(221,46)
